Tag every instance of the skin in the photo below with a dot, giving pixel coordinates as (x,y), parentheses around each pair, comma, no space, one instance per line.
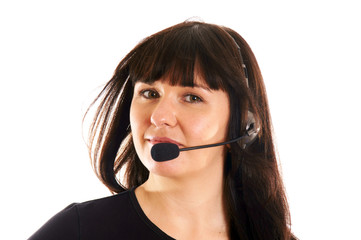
(183,197)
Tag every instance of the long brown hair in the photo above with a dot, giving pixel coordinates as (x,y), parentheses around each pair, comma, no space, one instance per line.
(255,199)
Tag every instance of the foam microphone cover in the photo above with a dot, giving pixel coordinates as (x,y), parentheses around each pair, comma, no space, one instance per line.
(164,151)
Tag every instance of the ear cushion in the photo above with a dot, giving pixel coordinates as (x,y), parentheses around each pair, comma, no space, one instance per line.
(252,130)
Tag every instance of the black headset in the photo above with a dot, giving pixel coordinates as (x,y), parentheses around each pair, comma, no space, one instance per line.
(253,126)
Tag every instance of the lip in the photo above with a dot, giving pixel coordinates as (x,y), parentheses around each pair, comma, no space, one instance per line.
(155,140)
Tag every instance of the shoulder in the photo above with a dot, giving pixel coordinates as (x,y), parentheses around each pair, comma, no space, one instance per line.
(77,218)
(100,207)
(54,227)
(115,217)
(106,213)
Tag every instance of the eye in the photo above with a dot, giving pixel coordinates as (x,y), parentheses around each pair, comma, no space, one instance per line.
(149,93)
(192,98)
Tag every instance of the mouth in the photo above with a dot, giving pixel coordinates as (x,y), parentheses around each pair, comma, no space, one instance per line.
(155,140)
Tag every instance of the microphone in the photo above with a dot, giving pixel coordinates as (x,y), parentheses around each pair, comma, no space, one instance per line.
(162,152)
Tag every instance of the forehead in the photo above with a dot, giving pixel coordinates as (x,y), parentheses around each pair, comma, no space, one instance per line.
(180,76)
(197,81)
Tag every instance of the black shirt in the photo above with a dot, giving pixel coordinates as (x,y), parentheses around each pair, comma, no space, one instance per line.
(115,217)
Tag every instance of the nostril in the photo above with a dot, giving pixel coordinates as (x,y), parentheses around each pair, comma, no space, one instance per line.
(159,121)
(163,117)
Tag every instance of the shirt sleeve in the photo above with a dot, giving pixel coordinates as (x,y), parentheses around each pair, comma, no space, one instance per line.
(64,225)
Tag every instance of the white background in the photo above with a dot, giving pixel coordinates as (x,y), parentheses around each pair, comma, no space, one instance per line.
(54,56)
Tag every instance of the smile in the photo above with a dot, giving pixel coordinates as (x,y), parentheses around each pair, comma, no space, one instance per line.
(156,140)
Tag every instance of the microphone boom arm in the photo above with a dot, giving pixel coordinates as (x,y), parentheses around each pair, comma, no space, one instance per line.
(212,145)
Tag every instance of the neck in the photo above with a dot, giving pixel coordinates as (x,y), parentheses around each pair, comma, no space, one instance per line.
(199,190)
(190,202)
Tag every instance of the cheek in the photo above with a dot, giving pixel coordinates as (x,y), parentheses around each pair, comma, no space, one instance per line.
(210,126)
(201,128)
(198,125)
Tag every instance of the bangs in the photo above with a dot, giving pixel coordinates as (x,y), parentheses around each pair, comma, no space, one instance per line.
(179,55)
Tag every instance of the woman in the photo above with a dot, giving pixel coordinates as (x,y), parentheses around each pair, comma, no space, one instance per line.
(189,85)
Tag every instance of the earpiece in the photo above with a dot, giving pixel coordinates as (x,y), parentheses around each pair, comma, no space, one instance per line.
(252,130)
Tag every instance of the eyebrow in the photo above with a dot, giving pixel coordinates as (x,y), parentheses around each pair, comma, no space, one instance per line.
(195,85)
(202,86)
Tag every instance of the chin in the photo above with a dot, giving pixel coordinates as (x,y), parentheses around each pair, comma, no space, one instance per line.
(173,168)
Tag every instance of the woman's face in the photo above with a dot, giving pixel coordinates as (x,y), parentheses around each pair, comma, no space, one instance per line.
(183,115)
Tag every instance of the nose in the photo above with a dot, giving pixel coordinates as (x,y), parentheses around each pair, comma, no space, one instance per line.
(164,114)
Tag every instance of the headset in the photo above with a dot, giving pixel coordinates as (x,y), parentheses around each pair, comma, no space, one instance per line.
(252,126)
(167,151)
